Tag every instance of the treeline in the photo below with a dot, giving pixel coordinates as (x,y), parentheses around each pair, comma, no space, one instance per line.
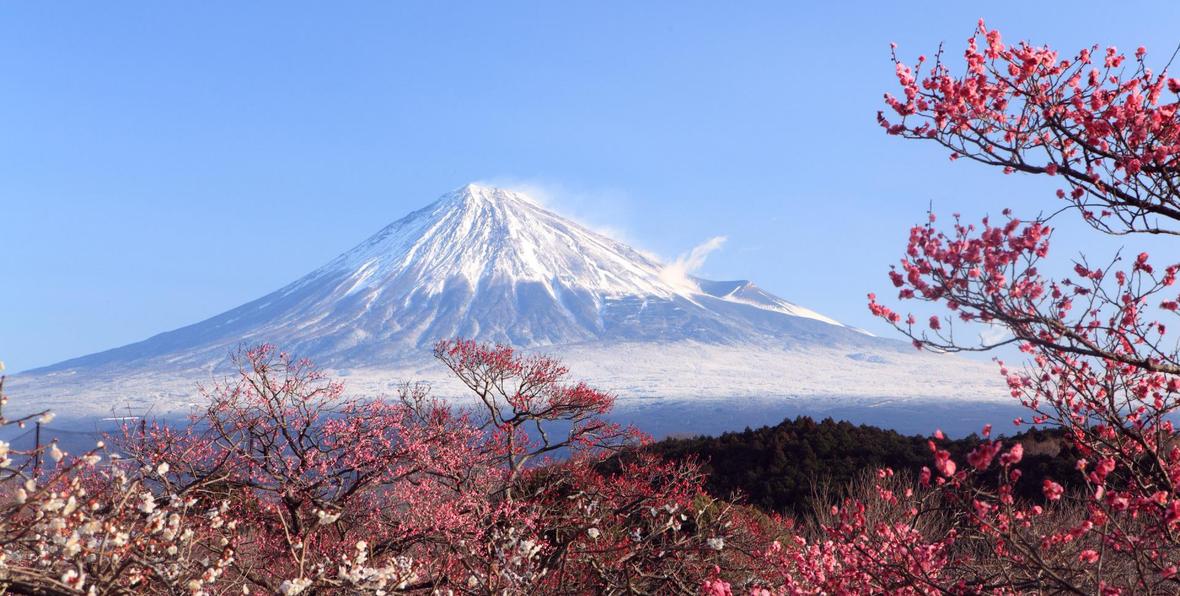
(782,468)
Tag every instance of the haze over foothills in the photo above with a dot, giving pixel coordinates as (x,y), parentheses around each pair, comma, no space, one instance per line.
(160,165)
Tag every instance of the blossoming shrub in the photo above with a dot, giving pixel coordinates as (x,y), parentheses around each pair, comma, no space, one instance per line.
(1101,365)
(88,526)
(285,485)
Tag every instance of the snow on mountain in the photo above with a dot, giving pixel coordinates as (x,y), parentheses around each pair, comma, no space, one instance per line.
(494,265)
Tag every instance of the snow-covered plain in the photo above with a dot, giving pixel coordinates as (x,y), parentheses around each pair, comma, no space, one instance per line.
(494,265)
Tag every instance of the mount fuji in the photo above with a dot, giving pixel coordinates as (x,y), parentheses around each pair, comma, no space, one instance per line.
(494,265)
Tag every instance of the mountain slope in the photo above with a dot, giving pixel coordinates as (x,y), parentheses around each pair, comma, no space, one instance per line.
(493,265)
(489,264)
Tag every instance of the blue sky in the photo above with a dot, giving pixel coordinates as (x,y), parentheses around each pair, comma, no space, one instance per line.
(163,162)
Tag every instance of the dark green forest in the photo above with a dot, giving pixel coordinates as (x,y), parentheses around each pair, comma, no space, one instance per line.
(782,468)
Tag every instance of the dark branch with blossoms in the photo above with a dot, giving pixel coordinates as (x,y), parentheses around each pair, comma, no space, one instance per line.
(1106,126)
(1101,365)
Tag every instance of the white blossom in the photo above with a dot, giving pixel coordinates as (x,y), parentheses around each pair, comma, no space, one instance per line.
(72,545)
(73,579)
(147,504)
(291,587)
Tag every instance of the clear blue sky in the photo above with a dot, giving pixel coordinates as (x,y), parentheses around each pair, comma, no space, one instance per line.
(162,162)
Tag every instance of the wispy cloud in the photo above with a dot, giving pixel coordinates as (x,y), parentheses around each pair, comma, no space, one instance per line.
(993,334)
(677,272)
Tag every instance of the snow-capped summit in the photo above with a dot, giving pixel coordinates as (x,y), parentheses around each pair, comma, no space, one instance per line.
(495,265)
(483,236)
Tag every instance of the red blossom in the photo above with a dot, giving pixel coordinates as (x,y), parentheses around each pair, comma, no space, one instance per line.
(1052,490)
